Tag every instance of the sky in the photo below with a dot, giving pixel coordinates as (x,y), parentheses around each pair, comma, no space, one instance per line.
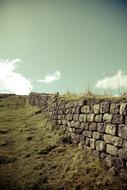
(63,45)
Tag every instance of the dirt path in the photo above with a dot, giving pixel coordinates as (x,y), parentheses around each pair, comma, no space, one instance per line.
(30,149)
(17,137)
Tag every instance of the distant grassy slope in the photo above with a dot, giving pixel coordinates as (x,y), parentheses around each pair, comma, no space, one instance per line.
(32,156)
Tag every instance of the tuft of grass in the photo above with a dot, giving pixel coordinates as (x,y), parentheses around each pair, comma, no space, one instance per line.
(108,95)
(71,96)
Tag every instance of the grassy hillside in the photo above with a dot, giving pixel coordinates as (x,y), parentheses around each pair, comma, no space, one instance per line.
(32,156)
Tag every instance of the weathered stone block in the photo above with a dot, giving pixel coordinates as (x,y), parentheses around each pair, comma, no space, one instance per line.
(78,110)
(64,122)
(59,122)
(69,105)
(103,156)
(125,144)
(98,118)
(112,150)
(64,127)
(92,143)
(59,112)
(77,124)
(70,110)
(87,133)
(104,107)
(87,141)
(101,127)
(70,129)
(122,153)
(126,120)
(63,111)
(123,109)
(82,117)
(96,135)
(69,123)
(122,131)
(73,129)
(84,126)
(59,116)
(69,117)
(81,102)
(116,141)
(92,126)
(62,106)
(67,132)
(117,119)
(108,139)
(78,131)
(63,116)
(82,139)
(75,117)
(73,110)
(100,145)
(77,137)
(85,109)
(73,135)
(67,111)
(107,118)
(114,108)
(73,123)
(96,108)
(110,129)
(102,136)
(90,117)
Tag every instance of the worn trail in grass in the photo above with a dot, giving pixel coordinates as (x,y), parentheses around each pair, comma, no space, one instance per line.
(32,156)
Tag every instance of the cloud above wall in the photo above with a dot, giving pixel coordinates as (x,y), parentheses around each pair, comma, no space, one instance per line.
(51,77)
(113,82)
(12,81)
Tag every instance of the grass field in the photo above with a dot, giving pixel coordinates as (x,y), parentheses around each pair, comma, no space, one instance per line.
(32,156)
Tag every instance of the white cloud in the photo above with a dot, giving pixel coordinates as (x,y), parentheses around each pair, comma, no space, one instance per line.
(114,82)
(11,81)
(51,77)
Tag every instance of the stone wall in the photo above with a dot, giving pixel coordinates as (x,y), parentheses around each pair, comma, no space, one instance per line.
(98,124)
(3,95)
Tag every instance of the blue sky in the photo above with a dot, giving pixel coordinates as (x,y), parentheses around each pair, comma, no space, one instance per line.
(52,46)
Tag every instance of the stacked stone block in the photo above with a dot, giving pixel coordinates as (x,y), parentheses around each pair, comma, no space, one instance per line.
(100,125)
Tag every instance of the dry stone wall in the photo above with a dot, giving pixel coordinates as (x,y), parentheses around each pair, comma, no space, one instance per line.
(3,95)
(100,125)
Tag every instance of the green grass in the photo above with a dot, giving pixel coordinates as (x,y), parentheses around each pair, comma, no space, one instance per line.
(32,155)
(70,96)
